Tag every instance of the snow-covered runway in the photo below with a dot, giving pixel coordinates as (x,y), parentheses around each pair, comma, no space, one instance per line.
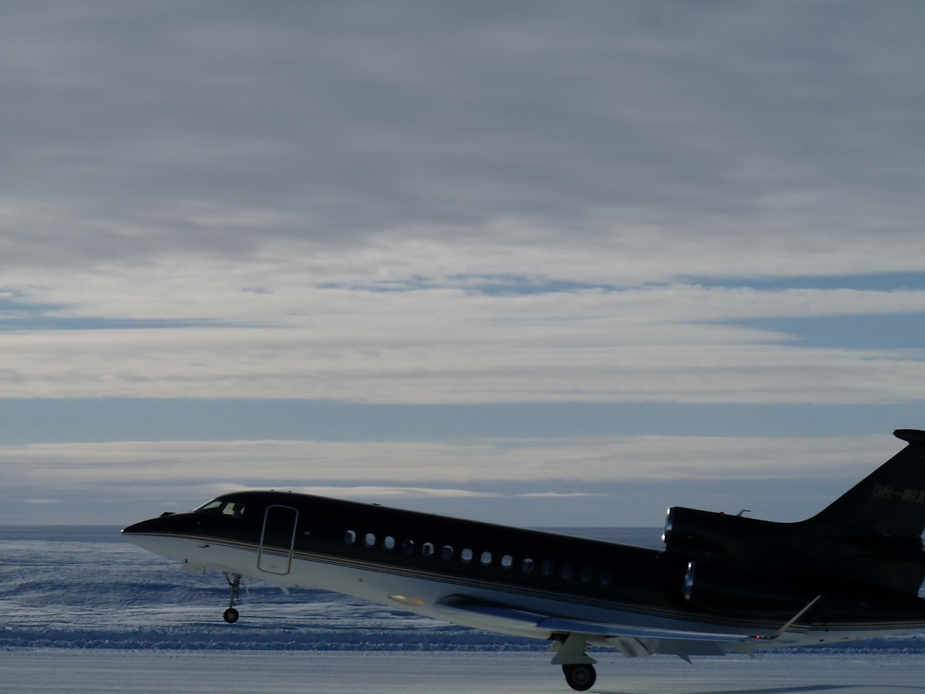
(67,671)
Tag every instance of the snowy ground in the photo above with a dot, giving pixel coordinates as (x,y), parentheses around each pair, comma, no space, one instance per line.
(92,589)
(258,672)
(87,614)
(115,595)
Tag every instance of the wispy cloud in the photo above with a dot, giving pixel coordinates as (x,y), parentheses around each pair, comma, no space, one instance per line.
(303,464)
(455,360)
(385,492)
(561,495)
(117,482)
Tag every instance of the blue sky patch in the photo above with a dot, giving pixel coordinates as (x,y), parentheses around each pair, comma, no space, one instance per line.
(891,331)
(880,282)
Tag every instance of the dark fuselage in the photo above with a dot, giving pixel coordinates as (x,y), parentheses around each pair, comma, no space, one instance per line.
(722,583)
(280,531)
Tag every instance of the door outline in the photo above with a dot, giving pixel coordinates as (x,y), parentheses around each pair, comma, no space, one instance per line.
(274,560)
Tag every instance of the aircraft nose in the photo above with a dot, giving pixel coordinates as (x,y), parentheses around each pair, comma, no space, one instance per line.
(158,535)
(150,526)
(145,526)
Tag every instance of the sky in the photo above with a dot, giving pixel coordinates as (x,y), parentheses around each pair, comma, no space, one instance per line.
(548,264)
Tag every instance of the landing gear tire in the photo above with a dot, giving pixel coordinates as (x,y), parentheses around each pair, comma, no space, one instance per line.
(234,584)
(580,677)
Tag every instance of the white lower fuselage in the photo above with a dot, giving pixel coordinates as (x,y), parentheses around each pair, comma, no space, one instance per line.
(427,594)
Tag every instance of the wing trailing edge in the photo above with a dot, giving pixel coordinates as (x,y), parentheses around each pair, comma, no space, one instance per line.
(631,640)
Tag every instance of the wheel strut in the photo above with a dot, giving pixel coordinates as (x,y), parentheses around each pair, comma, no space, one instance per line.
(234,583)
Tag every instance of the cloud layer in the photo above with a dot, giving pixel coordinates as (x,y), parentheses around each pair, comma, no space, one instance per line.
(110,482)
(457,203)
(480,202)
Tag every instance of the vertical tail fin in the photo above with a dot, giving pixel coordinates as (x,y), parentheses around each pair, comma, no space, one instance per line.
(890,501)
(873,532)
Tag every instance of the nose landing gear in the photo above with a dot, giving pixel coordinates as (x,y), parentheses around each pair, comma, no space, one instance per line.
(234,583)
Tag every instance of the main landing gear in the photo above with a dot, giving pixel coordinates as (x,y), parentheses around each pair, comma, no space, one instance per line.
(234,583)
(580,677)
(577,666)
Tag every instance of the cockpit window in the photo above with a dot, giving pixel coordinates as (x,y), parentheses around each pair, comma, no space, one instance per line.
(232,509)
(221,507)
(211,507)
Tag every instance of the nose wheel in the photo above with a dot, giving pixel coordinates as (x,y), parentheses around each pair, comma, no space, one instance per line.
(580,677)
(234,584)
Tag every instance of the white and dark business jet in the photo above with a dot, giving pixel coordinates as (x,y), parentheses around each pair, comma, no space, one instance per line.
(722,583)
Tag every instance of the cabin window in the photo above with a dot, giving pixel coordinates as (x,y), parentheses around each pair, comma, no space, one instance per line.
(507,561)
(466,555)
(446,553)
(606,578)
(587,574)
(548,568)
(407,546)
(369,540)
(389,543)
(486,558)
(232,509)
(567,571)
(350,537)
(527,566)
(427,549)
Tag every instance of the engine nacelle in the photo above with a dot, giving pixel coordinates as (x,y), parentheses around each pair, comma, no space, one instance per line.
(736,565)
(706,531)
(728,590)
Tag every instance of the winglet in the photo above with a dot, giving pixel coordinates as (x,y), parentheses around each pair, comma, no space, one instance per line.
(793,620)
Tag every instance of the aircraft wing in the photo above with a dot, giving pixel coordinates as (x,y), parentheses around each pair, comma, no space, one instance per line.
(496,611)
(630,640)
(557,624)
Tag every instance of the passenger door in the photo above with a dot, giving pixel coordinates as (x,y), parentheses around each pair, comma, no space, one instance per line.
(277,540)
